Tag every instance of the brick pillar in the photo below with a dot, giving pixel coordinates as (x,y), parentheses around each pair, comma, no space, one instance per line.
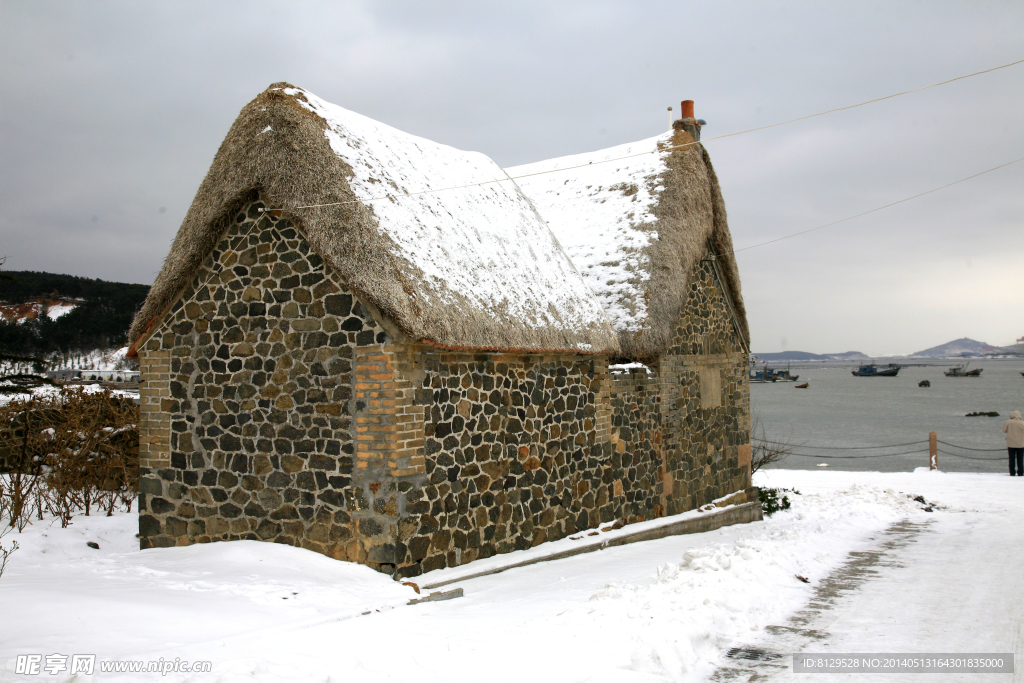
(154,415)
(389,429)
(603,418)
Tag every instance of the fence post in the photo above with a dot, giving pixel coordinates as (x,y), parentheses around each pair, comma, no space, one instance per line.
(933,451)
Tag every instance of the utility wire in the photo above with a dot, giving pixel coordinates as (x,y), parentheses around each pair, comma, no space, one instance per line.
(877,99)
(865,213)
(675,147)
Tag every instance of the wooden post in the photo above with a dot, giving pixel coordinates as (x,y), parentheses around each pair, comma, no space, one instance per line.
(933,451)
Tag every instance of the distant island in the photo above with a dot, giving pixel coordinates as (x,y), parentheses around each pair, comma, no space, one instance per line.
(963,347)
(803,355)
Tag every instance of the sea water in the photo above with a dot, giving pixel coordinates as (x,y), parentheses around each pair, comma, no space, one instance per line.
(838,415)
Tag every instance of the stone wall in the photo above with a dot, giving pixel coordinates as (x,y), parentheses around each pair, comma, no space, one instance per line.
(511,457)
(705,376)
(523,449)
(278,407)
(253,371)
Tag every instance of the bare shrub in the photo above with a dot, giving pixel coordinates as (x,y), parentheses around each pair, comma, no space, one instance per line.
(765,451)
(68,452)
(5,551)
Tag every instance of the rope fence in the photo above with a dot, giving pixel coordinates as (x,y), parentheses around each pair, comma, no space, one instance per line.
(918,447)
(968,448)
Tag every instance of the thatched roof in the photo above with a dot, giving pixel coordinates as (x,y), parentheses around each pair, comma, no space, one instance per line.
(472,268)
(636,229)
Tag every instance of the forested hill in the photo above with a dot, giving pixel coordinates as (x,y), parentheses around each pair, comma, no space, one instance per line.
(99,316)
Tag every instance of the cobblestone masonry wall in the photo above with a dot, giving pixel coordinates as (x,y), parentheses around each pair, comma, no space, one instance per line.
(249,398)
(520,450)
(277,407)
(705,376)
(511,458)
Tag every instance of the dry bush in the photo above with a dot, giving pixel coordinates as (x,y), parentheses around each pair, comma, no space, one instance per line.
(68,452)
(765,451)
(5,551)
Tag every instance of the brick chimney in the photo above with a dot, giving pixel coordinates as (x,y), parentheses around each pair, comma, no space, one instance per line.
(687,121)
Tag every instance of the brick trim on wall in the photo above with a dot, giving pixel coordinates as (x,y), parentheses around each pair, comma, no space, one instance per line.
(388,423)
(154,413)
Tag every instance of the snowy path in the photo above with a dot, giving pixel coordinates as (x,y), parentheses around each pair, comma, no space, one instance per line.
(952,584)
(665,610)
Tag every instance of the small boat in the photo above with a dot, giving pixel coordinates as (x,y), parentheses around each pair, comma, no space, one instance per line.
(802,386)
(962,371)
(924,383)
(872,370)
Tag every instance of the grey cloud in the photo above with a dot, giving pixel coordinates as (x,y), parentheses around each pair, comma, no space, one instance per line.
(115,110)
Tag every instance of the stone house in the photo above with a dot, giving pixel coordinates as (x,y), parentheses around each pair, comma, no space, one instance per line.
(373,346)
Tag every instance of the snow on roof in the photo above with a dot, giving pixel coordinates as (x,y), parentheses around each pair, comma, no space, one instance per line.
(486,243)
(472,267)
(601,213)
(636,220)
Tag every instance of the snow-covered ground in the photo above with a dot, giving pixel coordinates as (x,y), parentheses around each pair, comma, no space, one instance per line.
(97,359)
(47,390)
(57,310)
(665,610)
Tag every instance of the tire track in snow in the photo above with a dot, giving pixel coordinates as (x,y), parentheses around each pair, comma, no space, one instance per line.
(774,656)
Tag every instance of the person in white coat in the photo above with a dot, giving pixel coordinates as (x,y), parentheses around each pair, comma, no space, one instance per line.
(1014,430)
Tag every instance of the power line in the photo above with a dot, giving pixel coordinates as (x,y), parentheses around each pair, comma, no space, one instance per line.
(865,213)
(669,149)
(877,99)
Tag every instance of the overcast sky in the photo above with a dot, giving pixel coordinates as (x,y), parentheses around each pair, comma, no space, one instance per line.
(112,112)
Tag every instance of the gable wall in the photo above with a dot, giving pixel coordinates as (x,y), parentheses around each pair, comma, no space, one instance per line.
(250,400)
(705,375)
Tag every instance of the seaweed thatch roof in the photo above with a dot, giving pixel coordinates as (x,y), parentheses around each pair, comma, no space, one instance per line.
(474,267)
(636,228)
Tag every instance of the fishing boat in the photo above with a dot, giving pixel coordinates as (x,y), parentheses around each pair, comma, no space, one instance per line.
(772,375)
(872,370)
(781,375)
(962,371)
(767,374)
